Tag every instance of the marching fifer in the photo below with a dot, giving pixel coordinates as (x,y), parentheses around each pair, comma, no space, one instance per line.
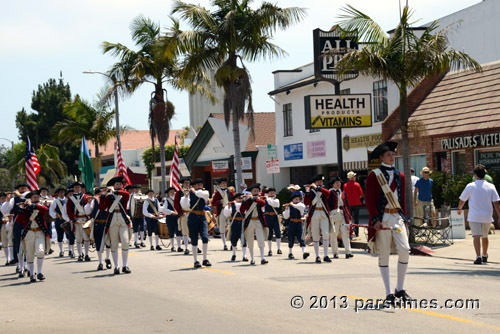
(35,236)
(99,220)
(151,210)
(255,223)
(76,213)
(316,198)
(236,221)
(272,221)
(171,218)
(69,229)
(183,214)
(135,211)
(341,217)
(220,200)
(195,201)
(56,211)
(385,201)
(5,230)
(294,212)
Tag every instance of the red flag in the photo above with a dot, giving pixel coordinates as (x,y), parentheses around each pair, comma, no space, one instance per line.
(174,169)
(32,166)
(122,169)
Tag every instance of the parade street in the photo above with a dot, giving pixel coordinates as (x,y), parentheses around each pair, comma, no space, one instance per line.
(164,294)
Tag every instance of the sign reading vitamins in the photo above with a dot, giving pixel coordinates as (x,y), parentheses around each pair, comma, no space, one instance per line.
(338,111)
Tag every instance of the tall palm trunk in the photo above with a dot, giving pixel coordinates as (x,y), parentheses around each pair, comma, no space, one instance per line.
(403,100)
(162,136)
(97,173)
(237,152)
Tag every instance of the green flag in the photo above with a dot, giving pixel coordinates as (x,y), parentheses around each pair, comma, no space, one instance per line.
(85,166)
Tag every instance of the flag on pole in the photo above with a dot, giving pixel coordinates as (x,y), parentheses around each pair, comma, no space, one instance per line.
(32,166)
(174,169)
(122,169)
(85,166)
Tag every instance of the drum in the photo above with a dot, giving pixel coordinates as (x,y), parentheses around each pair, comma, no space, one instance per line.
(210,223)
(87,228)
(163,227)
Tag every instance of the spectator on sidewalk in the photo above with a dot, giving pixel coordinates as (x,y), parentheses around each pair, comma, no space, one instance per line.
(354,195)
(481,195)
(423,194)
(414,180)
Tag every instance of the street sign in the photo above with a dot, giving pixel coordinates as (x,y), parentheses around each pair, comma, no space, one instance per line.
(338,111)
(272,166)
(338,42)
(272,152)
(246,163)
(220,167)
(247,176)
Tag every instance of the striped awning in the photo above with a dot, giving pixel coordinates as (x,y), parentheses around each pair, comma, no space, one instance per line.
(355,165)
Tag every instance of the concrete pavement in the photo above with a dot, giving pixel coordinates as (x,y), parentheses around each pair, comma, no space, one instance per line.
(165,295)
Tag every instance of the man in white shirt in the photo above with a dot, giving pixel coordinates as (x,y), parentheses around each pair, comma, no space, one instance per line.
(480,195)
(151,210)
(56,211)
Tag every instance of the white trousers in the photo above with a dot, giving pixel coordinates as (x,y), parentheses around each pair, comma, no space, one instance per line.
(183,224)
(80,234)
(253,230)
(319,222)
(118,233)
(384,239)
(6,236)
(35,245)
(223,222)
(340,228)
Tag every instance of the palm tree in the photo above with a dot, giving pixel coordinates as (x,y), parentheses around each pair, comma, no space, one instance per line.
(52,169)
(157,63)
(94,122)
(220,37)
(404,58)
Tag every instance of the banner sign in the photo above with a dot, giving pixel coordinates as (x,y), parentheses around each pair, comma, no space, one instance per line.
(338,111)
(361,141)
(294,151)
(316,149)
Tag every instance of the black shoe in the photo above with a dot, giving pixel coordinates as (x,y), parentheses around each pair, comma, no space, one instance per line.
(51,251)
(279,251)
(32,279)
(108,263)
(327,259)
(172,249)
(264,261)
(291,257)
(478,261)
(233,258)
(270,253)
(180,250)
(335,256)
(197,264)
(390,300)
(143,244)
(225,248)
(137,246)
(21,274)
(199,251)
(252,263)
(347,256)
(18,270)
(61,254)
(207,263)
(151,248)
(245,259)
(484,258)
(186,252)
(80,258)
(100,267)
(305,255)
(402,294)
(158,247)
(40,277)
(117,271)
(318,259)
(12,262)
(87,258)
(126,270)
(7,263)
(71,255)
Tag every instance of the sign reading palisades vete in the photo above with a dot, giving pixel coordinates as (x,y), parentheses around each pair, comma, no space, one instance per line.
(338,111)
(294,151)
(489,139)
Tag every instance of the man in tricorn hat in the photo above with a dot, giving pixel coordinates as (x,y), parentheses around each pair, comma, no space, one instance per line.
(56,211)
(255,223)
(236,221)
(136,214)
(182,221)
(316,198)
(151,210)
(341,218)
(385,201)
(99,226)
(171,218)
(220,199)
(76,213)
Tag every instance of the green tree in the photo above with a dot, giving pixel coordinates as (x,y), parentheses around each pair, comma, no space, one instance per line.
(404,58)
(147,156)
(232,31)
(155,62)
(47,103)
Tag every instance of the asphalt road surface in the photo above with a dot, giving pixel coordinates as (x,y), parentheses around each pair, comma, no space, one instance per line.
(164,294)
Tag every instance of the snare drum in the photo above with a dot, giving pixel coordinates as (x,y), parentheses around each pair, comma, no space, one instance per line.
(163,228)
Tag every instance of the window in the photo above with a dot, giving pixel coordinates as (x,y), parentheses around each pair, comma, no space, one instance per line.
(345,91)
(417,162)
(380,100)
(287,120)
(458,159)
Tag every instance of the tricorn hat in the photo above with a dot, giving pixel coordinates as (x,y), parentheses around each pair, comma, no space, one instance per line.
(296,194)
(34,192)
(76,184)
(184,179)
(335,179)
(254,186)
(169,188)
(318,177)
(114,180)
(21,185)
(235,196)
(196,181)
(382,148)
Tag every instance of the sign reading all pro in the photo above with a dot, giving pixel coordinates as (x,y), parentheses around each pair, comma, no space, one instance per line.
(338,111)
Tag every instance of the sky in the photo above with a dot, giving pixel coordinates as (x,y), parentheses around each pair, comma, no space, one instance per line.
(41,39)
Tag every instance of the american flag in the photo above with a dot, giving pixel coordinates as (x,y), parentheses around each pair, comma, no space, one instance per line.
(122,169)
(32,166)
(174,169)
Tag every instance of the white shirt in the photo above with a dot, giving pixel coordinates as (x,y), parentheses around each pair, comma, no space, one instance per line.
(145,206)
(228,212)
(391,178)
(52,208)
(414,180)
(299,206)
(65,210)
(165,208)
(480,195)
(186,202)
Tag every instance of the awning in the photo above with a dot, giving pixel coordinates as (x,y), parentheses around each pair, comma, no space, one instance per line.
(356,165)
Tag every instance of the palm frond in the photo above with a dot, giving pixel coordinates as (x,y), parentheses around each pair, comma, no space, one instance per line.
(368,30)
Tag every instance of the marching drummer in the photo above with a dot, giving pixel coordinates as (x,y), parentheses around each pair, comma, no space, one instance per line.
(255,223)
(195,201)
(171,218)
(271,216)
(236,221)
(294,212)
(99,226)
(76,213)
(183,214)
(135,212)
(151,210)
(219,201)
(56,210)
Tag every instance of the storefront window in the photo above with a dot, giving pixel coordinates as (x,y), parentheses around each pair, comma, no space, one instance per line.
(490,159)
(442,162)
(417,162)
(287,120)
(458,163)
(380,108)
